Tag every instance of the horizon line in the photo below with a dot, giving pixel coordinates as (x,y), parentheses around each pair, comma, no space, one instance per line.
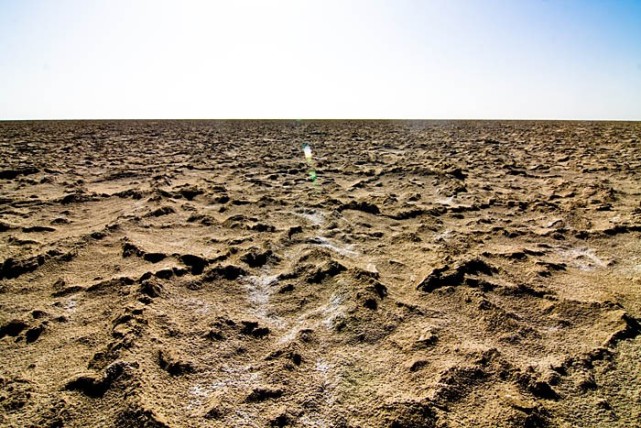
(315,119)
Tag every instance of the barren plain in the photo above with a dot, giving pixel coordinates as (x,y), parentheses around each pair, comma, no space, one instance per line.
(435,274)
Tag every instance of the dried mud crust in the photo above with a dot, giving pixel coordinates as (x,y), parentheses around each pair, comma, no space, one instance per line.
(437,274)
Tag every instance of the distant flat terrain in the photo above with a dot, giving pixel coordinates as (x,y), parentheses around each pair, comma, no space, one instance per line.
(435,274)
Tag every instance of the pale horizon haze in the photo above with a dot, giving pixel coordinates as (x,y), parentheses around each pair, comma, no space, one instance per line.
(403,59)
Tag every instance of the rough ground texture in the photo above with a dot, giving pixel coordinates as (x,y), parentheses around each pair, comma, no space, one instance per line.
(437,274)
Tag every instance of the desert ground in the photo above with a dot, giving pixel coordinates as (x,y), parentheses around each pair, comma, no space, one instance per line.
(435,274)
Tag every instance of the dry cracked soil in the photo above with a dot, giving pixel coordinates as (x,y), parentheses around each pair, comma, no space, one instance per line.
(435,274)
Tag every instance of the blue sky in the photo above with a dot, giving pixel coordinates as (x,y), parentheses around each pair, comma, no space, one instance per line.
(454,59)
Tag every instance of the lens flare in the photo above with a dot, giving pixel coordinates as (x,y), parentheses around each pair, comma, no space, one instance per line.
(307,150)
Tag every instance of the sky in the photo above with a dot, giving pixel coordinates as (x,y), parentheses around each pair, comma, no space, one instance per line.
(298,59)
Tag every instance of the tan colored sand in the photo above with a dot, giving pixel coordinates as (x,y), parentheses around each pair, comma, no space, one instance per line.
(437,274)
